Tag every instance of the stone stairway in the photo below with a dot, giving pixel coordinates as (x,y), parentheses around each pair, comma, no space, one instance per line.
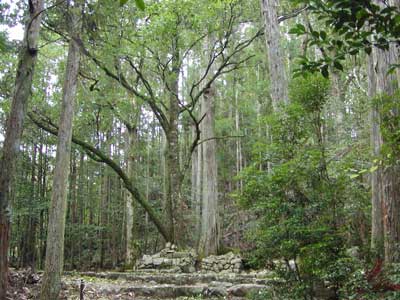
(167,285)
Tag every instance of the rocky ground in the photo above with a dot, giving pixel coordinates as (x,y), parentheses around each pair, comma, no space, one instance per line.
(143,285)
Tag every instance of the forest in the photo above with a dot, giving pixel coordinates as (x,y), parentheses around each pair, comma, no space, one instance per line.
(214,149)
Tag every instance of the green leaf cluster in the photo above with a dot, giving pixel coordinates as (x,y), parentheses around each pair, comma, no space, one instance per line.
(139,3)
(346,28)
(298,196)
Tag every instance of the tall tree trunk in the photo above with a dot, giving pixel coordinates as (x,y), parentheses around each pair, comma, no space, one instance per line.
(130,144)
(22,90)
(172,174)
(196,189)
(239,155)
(81,204)
(40,192)
(172,166)
(55,234)
(210,232)
(104,211)
(43,194)
(73,210)
(390,175)
(105,205)
(131,157)
(338,97)
(376,189)
(28,254)
(276,64)
(149,177)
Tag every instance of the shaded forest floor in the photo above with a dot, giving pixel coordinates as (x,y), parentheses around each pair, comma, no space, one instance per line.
(141,286)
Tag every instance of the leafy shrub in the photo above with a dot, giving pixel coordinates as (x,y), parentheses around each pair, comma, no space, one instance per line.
(300,199)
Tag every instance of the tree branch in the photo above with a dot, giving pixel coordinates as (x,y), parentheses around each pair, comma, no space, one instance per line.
(37,15)
(122,80)
(41,122)
(292,14)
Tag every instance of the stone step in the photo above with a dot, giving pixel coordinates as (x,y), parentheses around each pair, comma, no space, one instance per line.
(176,279)
(168,291)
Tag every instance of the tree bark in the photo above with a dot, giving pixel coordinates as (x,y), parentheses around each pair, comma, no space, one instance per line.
(377,239)
(390,179)
(28,251)
(239,154)
(196,188)
(390,175)
(73,210)
(22,90)
(55,234)
(81,199)
(44,163)
(209,243)
(172,166)
(276,64)
(104,224)
(338,97)
(131,137)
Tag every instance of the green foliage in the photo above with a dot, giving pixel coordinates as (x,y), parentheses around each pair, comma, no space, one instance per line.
(346,28)
(372,282)
(139,3)
(390,124)
(298,197)
(305,187)
(3,42)
(311,92)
